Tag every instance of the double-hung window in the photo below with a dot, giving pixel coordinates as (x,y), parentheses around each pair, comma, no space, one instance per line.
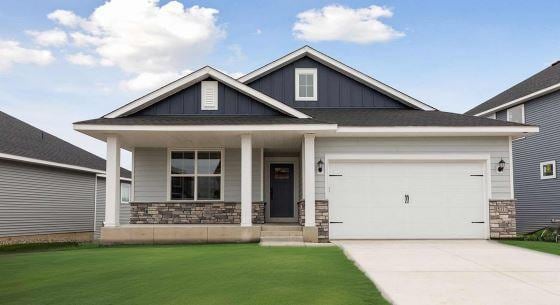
(196,175)
(516,114)
(125,192)
(306,84)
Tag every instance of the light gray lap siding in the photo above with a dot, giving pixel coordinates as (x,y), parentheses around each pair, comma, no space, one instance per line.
(496,147)
(538,201)
(150,174)
(43,200)
(124,216)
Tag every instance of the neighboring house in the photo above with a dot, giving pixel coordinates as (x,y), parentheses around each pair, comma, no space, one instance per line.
(534,101)
(309,140)
(49,189)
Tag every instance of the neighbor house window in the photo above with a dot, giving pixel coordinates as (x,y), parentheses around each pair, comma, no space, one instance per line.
(196,175)
(125,192)
(516,114)
(492,116)
(306,84)
(548,169)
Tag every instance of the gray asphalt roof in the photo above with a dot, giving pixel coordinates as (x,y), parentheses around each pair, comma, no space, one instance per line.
(342,117)
(21,139)
(400,117)
(545,78)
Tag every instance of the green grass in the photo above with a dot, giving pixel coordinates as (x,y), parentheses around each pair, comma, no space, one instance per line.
(543,246)
(186,274)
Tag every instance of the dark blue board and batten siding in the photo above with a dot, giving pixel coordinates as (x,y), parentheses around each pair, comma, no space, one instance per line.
(538,201)
(187,102)
(334,89)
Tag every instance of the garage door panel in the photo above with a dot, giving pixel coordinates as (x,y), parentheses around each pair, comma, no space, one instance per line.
(445,200)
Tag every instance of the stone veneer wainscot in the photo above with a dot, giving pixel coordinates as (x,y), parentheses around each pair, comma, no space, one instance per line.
(321,218)
(502,219)
(192,213)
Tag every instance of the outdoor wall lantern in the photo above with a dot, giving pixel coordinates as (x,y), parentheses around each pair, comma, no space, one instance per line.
(320,166)
(501,165)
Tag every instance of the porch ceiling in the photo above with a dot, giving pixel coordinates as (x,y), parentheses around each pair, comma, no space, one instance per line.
(180,139)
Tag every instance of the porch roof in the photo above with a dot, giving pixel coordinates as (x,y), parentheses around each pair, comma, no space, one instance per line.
(200,120)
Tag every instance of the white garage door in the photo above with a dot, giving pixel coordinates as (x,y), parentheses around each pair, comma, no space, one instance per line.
(406,200)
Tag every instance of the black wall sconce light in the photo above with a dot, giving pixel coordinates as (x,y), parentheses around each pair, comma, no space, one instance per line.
(320,166)
(501,165)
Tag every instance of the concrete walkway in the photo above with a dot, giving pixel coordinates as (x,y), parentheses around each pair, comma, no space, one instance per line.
(457,272)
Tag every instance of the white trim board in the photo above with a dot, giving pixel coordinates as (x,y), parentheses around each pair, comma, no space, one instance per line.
(49,163)
(520,100)
(338,66)
(271,127)
(195,77)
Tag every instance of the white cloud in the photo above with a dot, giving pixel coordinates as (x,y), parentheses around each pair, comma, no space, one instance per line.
(147,81)
(144,39)
(82,59)
(340,23)
(258,32)
(66,18)
(53,37)
(237,53)
(12,53)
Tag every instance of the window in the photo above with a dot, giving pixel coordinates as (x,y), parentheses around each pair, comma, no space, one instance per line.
(492,116)
(125,192)
(209,95)
(196,175)
(548,169)
(306,84)
(516,114)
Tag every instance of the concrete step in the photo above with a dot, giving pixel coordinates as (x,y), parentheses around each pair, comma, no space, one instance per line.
(281,228)
(282,239)
(282,244)
(281,233)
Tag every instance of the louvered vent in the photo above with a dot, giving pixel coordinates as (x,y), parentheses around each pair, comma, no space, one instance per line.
(209,95)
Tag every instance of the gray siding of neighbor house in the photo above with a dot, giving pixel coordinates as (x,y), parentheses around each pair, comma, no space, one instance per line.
(334,90)
(150,175)
(496,147)
(538,201)
(124,216)
(38,199)
(187,102)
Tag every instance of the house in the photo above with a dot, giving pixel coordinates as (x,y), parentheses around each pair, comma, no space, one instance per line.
(535,101)
(49,189)
(308,140)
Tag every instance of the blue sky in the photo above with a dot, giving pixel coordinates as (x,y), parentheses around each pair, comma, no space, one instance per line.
(449,54)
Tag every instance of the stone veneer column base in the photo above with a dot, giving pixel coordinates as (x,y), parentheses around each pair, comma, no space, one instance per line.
(192,213)
(503,219)
(321,218)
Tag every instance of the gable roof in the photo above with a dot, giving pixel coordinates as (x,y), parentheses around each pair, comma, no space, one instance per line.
(337,66)
(544,82)
(197,76)
(23,142)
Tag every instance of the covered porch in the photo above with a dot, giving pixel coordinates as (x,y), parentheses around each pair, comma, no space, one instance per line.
(212,185)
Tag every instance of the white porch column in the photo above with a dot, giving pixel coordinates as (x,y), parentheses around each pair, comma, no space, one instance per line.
(309,169)
(113,183)
(246,180)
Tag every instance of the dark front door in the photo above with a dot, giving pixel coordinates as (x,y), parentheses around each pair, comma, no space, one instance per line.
(281,190)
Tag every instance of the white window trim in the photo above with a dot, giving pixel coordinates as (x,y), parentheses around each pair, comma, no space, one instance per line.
(203,86)
(522,113)
(196,150)
(129,192)
(553,162)
(306,71)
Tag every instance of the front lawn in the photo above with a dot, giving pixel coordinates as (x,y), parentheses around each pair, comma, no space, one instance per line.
(548,247)
(196,274)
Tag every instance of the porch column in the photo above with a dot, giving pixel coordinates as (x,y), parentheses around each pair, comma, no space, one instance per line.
(113,183)
(246,180)
(309,169)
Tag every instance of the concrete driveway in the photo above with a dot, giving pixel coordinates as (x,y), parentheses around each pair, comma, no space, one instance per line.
(457,272)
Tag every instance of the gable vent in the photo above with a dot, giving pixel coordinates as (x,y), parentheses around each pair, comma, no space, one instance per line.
(209,95)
